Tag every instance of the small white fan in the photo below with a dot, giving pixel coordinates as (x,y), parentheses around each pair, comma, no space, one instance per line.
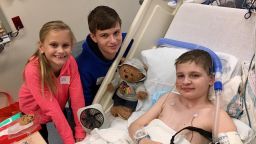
(92,117)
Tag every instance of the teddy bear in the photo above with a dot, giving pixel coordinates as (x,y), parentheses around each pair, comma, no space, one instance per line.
(129,86)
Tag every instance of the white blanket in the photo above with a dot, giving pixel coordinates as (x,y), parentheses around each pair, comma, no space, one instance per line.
(116,134)
(160,132)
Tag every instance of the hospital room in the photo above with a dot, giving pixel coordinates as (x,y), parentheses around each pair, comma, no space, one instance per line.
(128,72)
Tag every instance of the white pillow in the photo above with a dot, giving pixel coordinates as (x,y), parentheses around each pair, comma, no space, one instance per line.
(161,72)
(160,62)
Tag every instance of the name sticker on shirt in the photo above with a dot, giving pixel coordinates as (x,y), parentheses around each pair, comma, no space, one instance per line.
(65,80)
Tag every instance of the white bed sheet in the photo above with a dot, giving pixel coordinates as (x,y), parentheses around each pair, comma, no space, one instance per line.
(116,133)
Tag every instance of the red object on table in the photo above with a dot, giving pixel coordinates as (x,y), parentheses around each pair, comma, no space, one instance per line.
(8,139)
(11,109)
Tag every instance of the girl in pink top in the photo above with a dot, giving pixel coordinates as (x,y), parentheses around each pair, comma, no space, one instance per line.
(50,78)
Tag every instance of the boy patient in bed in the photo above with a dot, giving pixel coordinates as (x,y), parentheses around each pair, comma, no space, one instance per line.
(189,107)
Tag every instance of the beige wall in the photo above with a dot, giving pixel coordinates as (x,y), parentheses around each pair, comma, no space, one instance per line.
(33,14)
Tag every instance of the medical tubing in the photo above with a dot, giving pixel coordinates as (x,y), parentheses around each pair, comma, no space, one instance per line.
(244,92)
(216,115)
(179,44)
(217,67)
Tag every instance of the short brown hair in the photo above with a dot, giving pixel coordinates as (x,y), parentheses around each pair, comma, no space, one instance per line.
(103,17)
(200,57)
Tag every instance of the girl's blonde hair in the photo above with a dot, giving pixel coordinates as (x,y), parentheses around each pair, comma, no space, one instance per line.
(48,78)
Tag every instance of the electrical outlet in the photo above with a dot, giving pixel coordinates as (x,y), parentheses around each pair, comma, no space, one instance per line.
(17,23)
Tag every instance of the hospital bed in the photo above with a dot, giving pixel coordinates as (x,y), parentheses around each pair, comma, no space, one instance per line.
(220,29)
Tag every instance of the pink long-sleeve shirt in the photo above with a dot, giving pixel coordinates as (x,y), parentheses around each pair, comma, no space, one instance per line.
(50,107)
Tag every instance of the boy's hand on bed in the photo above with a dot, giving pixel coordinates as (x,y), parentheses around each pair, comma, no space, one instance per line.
(110,87)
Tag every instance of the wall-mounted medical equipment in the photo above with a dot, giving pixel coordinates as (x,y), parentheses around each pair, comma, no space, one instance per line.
(4,22)
(5,29)
(6,33)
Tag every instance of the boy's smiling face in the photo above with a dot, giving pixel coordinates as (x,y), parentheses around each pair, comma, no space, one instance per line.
(109,41)
(192,81)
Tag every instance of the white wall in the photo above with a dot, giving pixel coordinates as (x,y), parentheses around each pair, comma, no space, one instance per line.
(33,14)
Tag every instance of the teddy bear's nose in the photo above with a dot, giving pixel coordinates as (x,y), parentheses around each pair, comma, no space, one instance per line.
(126,76)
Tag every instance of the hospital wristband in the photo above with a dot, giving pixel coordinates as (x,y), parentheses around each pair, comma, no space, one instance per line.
(140,134)
(138,140)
